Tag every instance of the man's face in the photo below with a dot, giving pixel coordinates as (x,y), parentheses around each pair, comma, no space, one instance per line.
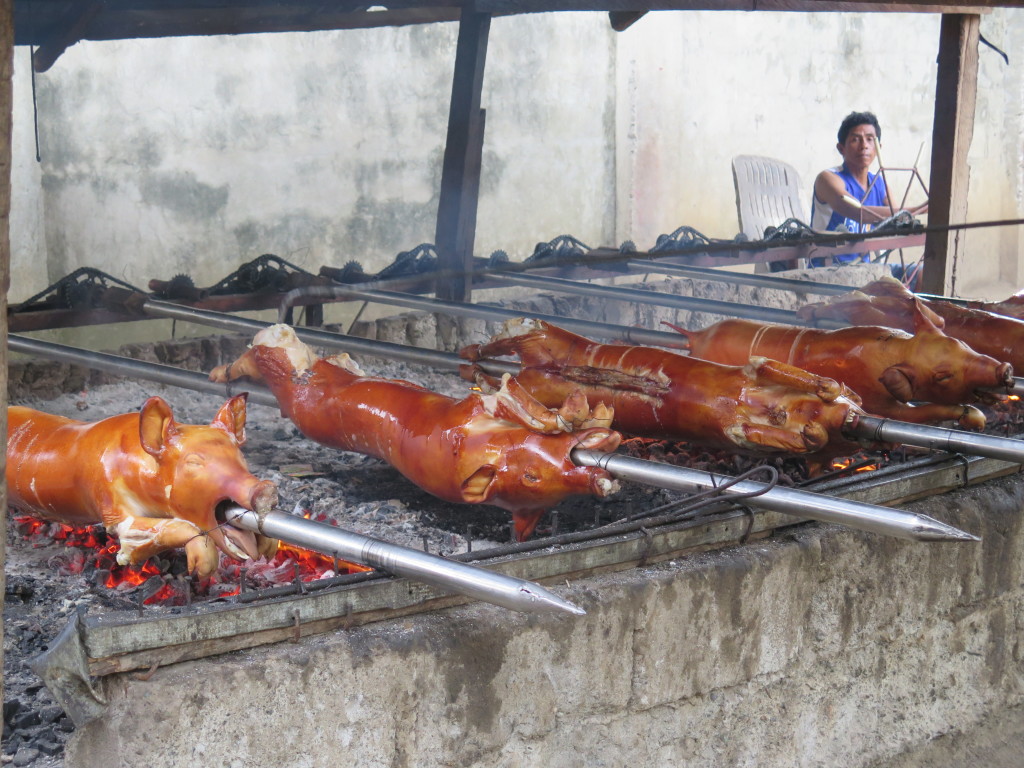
(860,148)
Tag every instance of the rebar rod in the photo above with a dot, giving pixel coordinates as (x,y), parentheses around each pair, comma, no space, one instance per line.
(739,278)
(449,575)
(138,369)
(485,312)
(939,438)
(338,341)
(854,514)
(657,298)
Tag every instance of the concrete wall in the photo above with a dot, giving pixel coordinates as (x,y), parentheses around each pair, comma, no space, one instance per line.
(819,647)
(193,155)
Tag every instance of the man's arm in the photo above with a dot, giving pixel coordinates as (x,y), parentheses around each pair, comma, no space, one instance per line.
(829,188)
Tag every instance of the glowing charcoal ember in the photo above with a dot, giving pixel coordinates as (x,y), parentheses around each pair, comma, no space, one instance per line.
(504,449)
(150,481)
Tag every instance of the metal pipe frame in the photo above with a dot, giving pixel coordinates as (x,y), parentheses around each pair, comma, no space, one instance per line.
(448,361)
(449,575)
(410,301)
(666,267)
(828,509)
(655,298)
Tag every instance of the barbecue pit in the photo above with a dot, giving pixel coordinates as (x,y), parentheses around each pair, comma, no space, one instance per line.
(350,486)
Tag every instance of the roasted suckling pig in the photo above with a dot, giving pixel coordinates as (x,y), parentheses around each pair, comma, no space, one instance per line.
(925,377)
(760,406)
(504,449)
(1012,306)
(888,302)
(154,483)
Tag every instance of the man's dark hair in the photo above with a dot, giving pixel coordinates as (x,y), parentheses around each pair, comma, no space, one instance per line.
(854,119)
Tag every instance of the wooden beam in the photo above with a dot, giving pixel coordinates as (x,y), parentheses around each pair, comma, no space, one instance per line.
(956,86)
(6,121)
(456,209)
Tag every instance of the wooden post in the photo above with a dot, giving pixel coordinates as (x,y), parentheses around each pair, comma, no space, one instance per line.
(956,86)
(456,210)
(6,119)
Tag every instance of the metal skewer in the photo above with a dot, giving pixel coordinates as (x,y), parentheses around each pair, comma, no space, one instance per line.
(939,438)
(449,575)
(828,509)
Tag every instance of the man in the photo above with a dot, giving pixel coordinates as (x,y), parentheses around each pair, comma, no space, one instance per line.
(850,195)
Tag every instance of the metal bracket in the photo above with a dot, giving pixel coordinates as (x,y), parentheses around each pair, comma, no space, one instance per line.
(64,668)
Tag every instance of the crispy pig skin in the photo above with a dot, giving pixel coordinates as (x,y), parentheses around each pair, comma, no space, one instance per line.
(149,480)
(888,302)
(504,449)
(890,369)
(759,407)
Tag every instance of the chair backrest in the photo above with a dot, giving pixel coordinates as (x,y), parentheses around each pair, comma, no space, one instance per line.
(768,192)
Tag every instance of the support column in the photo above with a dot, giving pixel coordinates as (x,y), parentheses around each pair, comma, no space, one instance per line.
(460,176)
(6,120)
(956,86)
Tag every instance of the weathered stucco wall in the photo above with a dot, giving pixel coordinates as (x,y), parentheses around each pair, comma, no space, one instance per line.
(819,647)
(195,154)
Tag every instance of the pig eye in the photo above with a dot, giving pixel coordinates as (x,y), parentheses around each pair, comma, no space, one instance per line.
(528,478)
(941,376)
(193,461)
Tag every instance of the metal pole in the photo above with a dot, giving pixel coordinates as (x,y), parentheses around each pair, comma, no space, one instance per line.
(1018,387)
(738,278)
(939,438)
(854,514)
(656,298)
(411,301)
(138,369)
(449,575)
(389,349)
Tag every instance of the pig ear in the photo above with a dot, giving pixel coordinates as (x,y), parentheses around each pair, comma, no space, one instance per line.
(231,417)
(899,381)
(925,319)
(156,426)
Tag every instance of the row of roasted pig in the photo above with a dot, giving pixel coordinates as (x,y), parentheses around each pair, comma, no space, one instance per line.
(750,387)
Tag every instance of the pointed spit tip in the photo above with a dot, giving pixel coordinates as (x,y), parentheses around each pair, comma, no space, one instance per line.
(931,529)
(540,600)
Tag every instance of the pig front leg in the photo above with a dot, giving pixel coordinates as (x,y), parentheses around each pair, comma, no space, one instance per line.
(142,537)
(967,416)
(244,367)
(765,371)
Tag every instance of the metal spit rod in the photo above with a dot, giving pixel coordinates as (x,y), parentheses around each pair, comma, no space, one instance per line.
(449,575)
(939,438)
(665,267)
(853,514)
(338,341)
(656,298)
(126,366)
(411,301)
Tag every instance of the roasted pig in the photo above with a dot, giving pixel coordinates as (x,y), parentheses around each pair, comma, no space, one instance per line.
(759,407)
(925,377)
(152,482)
(504,449)
(888,302)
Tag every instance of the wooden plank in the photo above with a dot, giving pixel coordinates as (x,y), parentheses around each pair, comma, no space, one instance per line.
(6,120)
(464,135)
(956,87)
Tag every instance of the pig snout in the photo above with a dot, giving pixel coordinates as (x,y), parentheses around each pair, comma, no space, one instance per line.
(263,497)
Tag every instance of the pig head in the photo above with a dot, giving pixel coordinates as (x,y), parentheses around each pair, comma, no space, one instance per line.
(154,483)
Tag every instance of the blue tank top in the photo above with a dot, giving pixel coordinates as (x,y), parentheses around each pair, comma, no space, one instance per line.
(824,219)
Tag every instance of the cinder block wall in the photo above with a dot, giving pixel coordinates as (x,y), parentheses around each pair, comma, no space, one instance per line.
(820,646)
